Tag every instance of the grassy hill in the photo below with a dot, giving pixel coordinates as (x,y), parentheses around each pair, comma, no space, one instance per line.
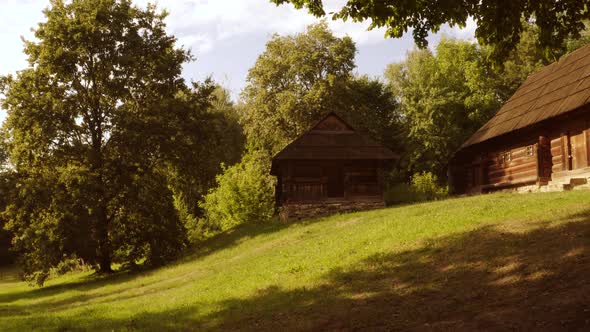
(502,261)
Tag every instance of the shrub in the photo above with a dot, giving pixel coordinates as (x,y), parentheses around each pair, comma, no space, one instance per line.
(244,194)
(424,187)
(72,264)
(399,193)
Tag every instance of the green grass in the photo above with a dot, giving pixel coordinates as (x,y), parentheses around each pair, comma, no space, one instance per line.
(499,262)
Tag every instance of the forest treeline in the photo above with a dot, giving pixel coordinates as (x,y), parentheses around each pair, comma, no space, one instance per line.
(109,156)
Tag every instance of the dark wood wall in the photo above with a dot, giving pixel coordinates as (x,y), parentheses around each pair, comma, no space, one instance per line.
(312,181)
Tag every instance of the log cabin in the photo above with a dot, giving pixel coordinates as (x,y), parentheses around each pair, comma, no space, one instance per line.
(539,140)
(330,168)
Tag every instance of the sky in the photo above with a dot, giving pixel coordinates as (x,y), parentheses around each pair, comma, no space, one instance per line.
(226,36)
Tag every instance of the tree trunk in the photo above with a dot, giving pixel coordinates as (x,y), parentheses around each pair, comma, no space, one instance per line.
(101,214)
(104,245)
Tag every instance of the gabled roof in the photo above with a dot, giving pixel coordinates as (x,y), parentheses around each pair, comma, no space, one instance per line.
(556,89)
(333,138)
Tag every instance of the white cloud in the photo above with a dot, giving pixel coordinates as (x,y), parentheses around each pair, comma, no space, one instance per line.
(16,20)
(225,35)
(217,20)
(199,43)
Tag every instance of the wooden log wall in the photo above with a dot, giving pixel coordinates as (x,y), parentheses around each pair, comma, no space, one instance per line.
(309,181)
(512,166)
(302,189)
(360,181)
(560,150)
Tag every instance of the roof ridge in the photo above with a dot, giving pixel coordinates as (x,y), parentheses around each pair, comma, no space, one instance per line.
(579,81)
(556,89)
(563,58)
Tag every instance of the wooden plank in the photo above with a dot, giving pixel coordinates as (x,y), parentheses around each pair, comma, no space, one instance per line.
(556,151)
(514,177)
(556,142)
(565,154)
(581,171)
(514,163)
(513,169)
(530,179)
(521,153)
(578,149)
(544,160)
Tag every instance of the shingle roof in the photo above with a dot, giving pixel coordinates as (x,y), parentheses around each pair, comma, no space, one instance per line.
(556,89)
(333,138)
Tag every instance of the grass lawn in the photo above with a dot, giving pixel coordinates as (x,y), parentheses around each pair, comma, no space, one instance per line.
(493,262)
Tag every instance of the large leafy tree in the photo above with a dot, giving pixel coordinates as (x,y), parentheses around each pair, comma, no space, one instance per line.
(216,138)
(448,94)
(289,83)
(300,78)
(96,125)
(444,97)
(499,22)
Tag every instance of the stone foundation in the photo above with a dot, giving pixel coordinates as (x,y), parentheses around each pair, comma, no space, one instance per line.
(300,211)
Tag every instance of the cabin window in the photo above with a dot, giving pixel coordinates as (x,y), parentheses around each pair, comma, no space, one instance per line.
(505,157)
(529,150)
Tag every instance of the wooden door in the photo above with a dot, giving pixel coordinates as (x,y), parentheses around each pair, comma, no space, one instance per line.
(544,159)
(578,150)
(335,182)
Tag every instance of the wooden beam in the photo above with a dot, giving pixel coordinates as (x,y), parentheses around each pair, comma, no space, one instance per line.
(565,160)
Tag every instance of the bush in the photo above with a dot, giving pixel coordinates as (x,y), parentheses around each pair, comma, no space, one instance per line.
(399,193)
(72,264)
(424,187)
(244,194)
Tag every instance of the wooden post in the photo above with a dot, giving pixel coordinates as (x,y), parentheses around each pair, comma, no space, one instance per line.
(379,170)
(279,189)
(345,181)
(539,147)
(483,169)
(565,152)
(478,173)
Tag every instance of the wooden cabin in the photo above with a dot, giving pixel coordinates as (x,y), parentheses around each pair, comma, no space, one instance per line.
(330,168)
(539,140)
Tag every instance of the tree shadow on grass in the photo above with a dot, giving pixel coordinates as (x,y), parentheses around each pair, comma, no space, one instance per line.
(491,278)
(95,281)
(511,276)
(234,236)
(83,284)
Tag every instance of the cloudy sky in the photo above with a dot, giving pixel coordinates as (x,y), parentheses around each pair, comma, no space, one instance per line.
(225,35)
